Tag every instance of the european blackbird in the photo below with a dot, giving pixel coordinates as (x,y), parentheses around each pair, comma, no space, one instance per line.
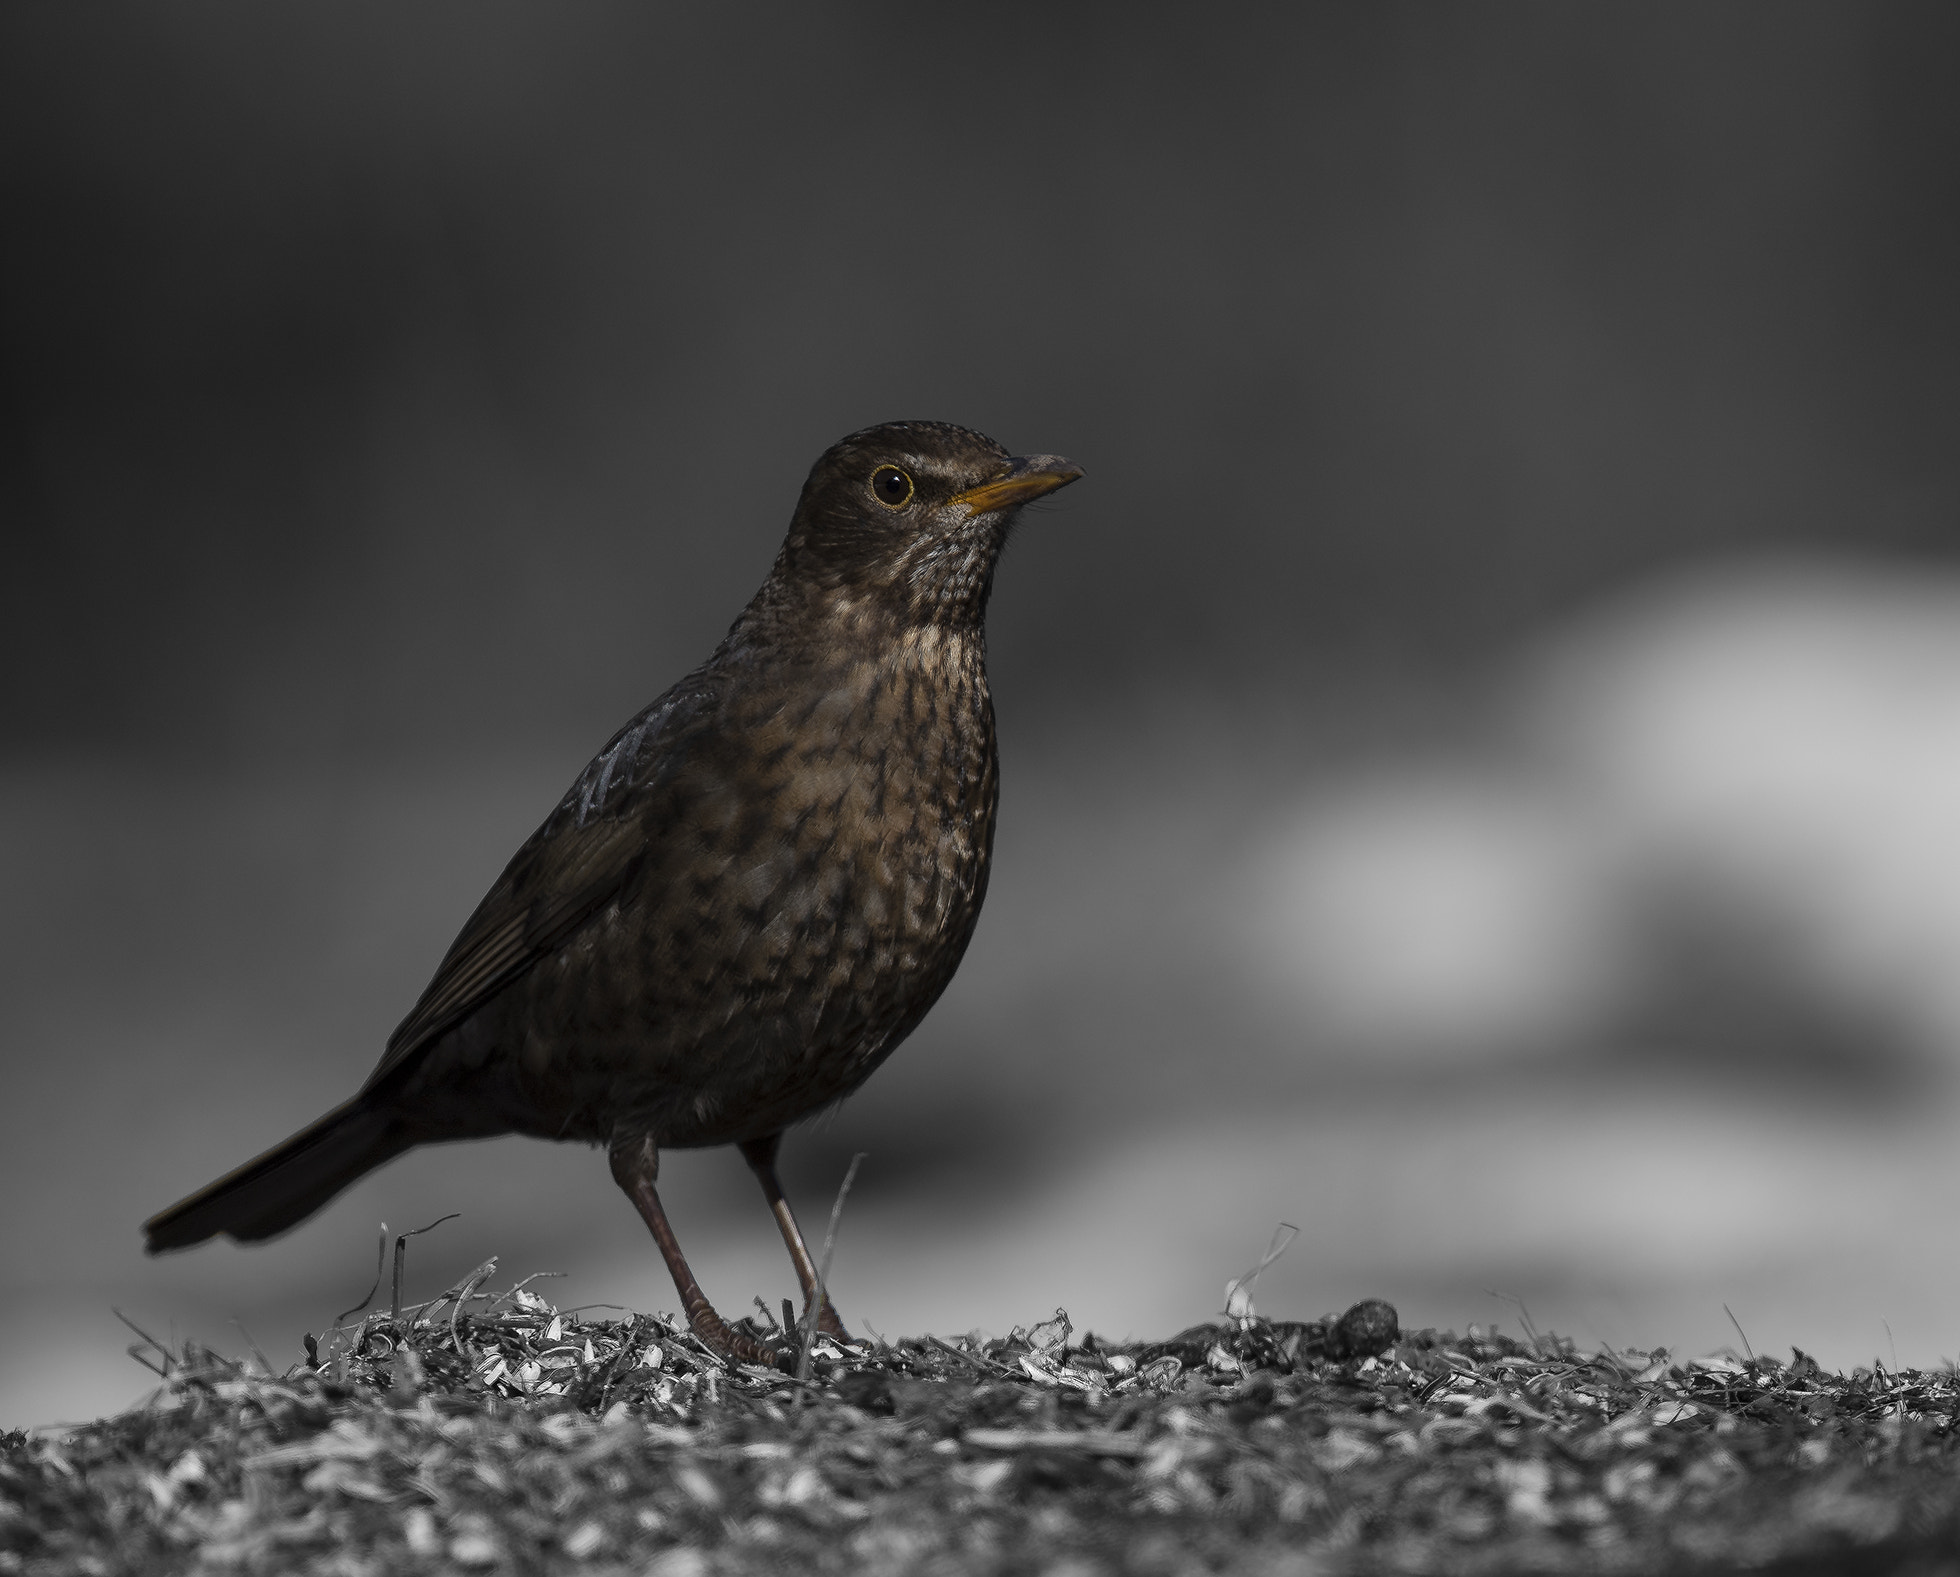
(751,895)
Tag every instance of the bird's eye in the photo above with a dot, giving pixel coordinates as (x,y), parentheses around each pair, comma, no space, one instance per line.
(891,487)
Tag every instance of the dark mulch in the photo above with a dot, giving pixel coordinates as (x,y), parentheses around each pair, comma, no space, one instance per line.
(496,1434)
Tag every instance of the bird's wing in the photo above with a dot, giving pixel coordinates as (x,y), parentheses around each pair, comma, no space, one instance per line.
(586,851)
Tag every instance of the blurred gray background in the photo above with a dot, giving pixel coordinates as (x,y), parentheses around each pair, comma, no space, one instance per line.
(1481,748)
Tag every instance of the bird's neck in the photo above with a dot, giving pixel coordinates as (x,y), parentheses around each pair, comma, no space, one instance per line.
(857,650)
(943,580)
(848,625)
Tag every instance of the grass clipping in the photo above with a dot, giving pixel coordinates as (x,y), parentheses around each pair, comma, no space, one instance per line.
(495,1433)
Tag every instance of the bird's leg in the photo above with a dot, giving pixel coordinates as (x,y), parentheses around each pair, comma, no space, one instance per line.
(761,1156)
(635,1166)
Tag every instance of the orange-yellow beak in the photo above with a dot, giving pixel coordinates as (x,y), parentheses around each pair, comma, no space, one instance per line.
(1022,479)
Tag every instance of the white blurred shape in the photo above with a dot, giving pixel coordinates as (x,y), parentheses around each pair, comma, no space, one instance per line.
(1646,1205)
(1435,909)
(1785,737)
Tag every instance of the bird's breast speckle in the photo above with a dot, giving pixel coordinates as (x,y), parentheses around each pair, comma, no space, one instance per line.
(834,848)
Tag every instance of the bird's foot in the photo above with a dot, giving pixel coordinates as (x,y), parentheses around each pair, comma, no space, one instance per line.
(829,1323)
(735,1345)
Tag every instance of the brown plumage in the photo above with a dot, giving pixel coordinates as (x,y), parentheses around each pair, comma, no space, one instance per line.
(747,899)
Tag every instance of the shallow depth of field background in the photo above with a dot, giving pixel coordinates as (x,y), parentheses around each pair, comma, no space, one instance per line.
(1481,748)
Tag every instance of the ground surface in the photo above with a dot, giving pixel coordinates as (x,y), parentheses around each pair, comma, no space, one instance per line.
(496,1434)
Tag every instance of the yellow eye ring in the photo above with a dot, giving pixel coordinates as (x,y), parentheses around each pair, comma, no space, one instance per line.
(891,487)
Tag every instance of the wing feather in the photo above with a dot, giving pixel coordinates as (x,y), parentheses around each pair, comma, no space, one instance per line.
(587,850)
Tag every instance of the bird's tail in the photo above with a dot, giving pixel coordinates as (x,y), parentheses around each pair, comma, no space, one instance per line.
(285,1185)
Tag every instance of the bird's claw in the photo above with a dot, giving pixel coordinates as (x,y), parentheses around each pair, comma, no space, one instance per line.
(737,1346)
(829,1323)
(725,1341)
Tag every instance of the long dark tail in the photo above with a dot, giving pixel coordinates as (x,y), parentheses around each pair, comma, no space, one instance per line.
(286,1184)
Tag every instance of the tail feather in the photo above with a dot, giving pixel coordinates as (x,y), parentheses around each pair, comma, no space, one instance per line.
(285,1185)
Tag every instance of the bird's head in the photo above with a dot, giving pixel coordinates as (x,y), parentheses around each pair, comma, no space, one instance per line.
(909,519)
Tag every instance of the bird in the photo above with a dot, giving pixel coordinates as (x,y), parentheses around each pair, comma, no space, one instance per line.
(750,896)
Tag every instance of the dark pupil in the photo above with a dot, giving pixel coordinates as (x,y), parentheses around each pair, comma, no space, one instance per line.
(890,484)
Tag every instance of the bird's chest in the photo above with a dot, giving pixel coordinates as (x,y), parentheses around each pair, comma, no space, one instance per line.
(879,815)
(833,845)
